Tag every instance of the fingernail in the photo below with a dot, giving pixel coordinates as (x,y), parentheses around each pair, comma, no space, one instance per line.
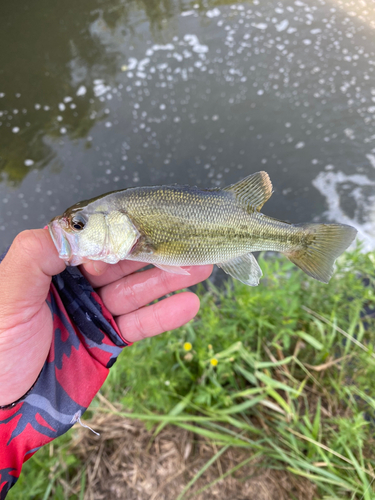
(100,266)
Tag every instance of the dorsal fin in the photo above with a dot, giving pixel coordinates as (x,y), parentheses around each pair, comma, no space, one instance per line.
(253,191)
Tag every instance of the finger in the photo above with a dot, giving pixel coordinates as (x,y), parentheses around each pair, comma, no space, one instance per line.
(95,267)
(137,290)
(165,315)
(112,272)
(26,273)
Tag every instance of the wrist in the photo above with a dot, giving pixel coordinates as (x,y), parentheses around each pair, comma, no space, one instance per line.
(19,400)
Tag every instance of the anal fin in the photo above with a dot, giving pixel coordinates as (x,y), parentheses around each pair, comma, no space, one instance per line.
(244,268)
(172,269)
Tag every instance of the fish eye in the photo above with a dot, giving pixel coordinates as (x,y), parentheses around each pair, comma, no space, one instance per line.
(77,223)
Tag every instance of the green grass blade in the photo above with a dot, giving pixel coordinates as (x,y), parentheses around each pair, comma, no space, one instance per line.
(310,340)
(275,384)
(180,407)
(202,471)
(260,365)
(242,406)
(226,474)
(83,485)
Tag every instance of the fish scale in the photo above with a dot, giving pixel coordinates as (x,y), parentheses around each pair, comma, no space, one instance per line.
(185,228)
(174,226)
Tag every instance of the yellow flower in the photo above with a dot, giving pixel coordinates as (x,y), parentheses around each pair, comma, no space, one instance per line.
(188,346)
(214,362)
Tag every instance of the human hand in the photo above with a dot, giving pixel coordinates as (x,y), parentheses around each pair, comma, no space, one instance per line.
(26,325)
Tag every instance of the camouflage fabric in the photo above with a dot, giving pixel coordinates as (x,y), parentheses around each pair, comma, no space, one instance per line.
(85,344)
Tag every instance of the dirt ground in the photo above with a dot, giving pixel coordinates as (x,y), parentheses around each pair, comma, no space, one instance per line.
(126,463)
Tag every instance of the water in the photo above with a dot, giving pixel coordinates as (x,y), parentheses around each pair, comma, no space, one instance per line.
(102,95)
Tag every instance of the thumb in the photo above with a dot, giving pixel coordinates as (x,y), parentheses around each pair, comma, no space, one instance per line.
(26,271)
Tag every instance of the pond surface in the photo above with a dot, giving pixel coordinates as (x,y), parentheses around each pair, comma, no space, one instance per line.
(102,95)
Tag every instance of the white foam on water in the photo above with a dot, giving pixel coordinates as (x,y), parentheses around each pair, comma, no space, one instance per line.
(349,133)
(328,184)
(187,13)
(371,159)
(100,88)
(177,56)
(81,91)
(260,26)
(213,12)
(132,64)
(282,25)
(143,63)
(196,46)
(168,46)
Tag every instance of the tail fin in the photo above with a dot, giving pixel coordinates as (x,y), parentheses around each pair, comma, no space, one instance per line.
(322,245)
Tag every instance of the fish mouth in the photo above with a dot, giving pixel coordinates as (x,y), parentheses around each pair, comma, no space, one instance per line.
(65,245)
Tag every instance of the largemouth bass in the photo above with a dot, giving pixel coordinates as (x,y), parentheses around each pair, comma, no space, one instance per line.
(174,226)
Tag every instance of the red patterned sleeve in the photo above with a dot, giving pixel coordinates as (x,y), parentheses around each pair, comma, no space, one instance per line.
(85,344)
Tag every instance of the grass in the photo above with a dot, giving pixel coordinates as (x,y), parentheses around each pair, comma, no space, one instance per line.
(284,370)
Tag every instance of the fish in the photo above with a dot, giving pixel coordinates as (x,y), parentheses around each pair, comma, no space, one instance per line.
(176,226)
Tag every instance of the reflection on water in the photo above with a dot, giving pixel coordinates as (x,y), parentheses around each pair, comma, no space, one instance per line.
(101,95)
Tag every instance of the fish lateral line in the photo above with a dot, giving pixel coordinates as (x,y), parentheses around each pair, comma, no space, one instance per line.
(175,226)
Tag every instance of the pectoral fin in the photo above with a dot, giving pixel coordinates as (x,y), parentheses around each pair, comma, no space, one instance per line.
(172,269)
(253,191)
(244,268)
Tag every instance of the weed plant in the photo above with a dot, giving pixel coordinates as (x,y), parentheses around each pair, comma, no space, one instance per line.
(285,370)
